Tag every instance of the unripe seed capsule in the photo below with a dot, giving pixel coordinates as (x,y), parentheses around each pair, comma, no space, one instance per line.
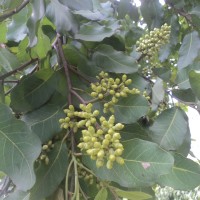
(112,158)
(99,163)
(124,77)
(118,152)
(46,160)
(100,96)
(101,154)
(120,160)
(42,157)
(96,113)
(45,147)
(128,82)
(109,164)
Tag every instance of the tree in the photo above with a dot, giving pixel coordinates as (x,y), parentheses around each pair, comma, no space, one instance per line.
(93,97)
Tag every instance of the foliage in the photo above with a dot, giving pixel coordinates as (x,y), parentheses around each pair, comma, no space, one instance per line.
(93,96)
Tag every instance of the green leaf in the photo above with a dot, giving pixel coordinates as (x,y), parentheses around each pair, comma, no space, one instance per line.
(163,73)
(158,93)
(19,148)
(33,91)
(169,130)
(78,4)
(44,121)
(152,13)
(17,195)
(95,15)
(61,17)
(94,32)
(48,177)
(185,174)
(189,49)
(132,195)
(102,194)
(8,60)
(131,131)
(128,110)
(184,95)
(17,28)
(124,8)
(144,163)
(195,11)
(38,11)
(194,82)
(182,78)
(111,60)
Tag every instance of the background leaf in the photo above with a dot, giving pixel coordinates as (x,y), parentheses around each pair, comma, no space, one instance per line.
(189,49)
(169,130)
(114,61)
(19,148)
(128,110)
(136,154)
(185,174)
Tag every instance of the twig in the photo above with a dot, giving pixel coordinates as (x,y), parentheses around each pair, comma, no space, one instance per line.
(78,97)
(14,11)
(66,68)
(17,69)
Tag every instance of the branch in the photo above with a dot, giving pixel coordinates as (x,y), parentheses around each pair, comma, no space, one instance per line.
(17,69)
(6,185)
(14,11)
(66,68)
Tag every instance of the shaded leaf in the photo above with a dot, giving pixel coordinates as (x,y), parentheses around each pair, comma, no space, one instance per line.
(17,195)
(111,60)
(44,121)
(169,130)
(56,12)
(132,174)
(194,77)
(128,110)
(182,78)
(33,91)
(102,194)
(185,174)
(189,49)
(48,177)
(163,73)
(19,148)
(94,32)
(132,195)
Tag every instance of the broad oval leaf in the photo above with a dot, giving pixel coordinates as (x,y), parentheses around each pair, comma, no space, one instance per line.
(184,95)
(48,177)
(102,194)
(189,49)
(169,130)
(94,32)
(111,60)
(194,77)
(33,91)
(132,195)
(19,148)
(144,163)
(96,15)
(44,121)
(185,174)
(128,110)
(56,12)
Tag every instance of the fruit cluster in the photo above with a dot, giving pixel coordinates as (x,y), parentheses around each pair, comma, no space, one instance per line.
(116,88)
(79,119)
(45,149)
(151,43)
(102,143)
